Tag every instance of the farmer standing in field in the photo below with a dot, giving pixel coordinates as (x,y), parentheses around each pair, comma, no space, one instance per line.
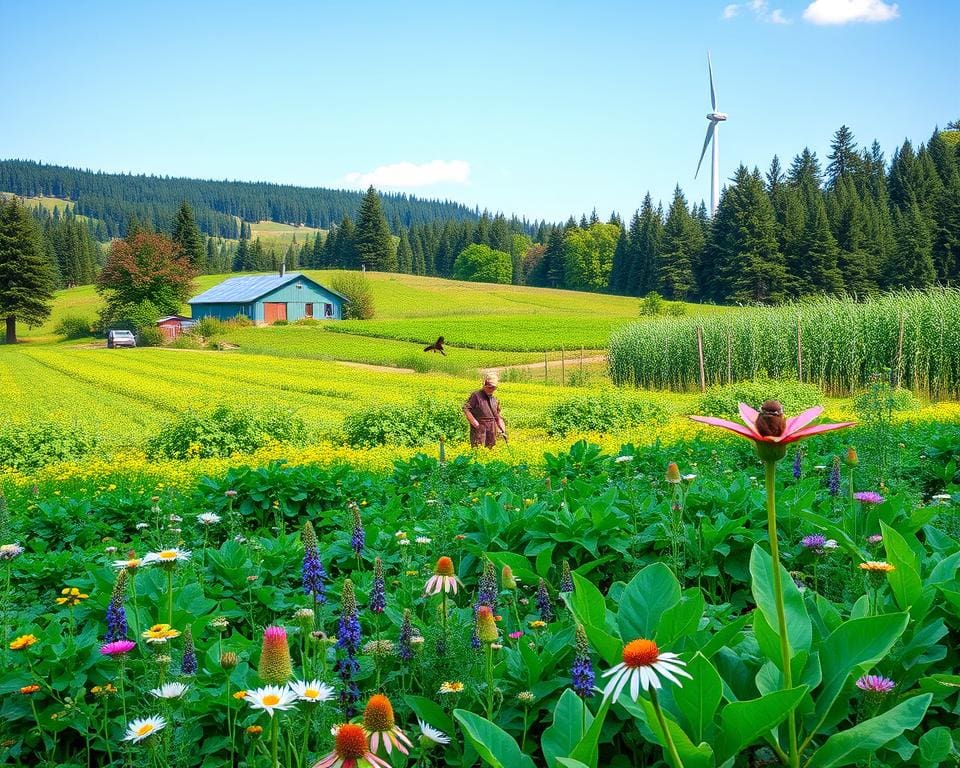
(482,410)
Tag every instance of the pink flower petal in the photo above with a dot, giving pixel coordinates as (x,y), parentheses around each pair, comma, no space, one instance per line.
(749,417)
(802,419)
(729,425)
(816,429)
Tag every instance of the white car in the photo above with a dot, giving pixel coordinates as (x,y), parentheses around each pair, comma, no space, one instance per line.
(121,339)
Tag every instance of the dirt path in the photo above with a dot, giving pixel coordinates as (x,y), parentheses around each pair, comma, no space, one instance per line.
(571,363)
(370,367)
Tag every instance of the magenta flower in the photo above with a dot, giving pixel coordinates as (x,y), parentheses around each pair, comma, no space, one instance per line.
(876,684)
(796,426)
(117,647)
(868,497)
(516,635)
(874,538)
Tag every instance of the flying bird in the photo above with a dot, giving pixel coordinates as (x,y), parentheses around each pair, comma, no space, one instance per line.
(437,346)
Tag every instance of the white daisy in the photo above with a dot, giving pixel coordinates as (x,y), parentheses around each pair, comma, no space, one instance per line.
(10,551)
(942,497)
(313,691)
(144,727)
(170,691)
(424,540)
(141,526)
(621,459)
(272,697)
(430,733)
(642,665)
(688,478)
(166,556)
(208,518)
(132,564)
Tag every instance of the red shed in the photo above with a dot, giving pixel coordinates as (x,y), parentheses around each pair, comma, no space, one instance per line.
(173,325)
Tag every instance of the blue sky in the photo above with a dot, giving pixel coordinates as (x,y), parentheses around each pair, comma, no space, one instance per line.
(540,109)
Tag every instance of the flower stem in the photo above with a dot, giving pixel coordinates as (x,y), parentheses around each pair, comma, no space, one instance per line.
(136,608)
(489,681)
(667,738)
(306,735)
(771,486)
(170,596)
(274,736)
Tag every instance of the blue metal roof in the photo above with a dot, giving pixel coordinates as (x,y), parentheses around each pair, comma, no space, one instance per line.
(241,290)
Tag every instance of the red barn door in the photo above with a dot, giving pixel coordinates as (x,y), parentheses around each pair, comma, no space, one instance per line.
(273,311)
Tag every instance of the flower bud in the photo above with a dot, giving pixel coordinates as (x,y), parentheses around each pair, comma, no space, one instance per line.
(486,625)
(506,575)
(673,473)
(228,660)
(852,458)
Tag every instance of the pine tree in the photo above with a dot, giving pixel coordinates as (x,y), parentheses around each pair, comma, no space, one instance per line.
(404,253)
(680,250)
(844,158)
(345,255)
(848,225)
(26,277)
(372,242)
(805,171)
(187,236)
(745,253)
(554,261)
(911,265)
(819,251)
(646,247)
(621,263)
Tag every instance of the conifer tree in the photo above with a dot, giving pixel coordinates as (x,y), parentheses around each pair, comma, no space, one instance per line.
(26,276)
(646,249)
(819,249)
(849,230)
(844,158)
(746,256)
(372,242)
(621,264)
(345,255)
(680,250)
(404,253)
(187,236)
(911,264)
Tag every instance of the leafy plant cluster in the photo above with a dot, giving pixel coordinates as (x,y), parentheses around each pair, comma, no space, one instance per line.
(793,396)
(224,431)
(423,421)
(603,412)
(30,445)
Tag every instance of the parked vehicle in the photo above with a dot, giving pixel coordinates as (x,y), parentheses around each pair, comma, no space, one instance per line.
(121,339)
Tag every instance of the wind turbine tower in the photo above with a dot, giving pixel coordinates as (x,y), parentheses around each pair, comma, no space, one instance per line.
(713,130)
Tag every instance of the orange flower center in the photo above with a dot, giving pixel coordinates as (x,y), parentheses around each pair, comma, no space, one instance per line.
(168,554)
(640,653)
(271,700)
(311,693)
(351,742)
(444,567)
(144,729)
(378,716)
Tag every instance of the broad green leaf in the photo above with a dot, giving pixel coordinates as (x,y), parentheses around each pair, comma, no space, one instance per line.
(544,560)
(651,592)
(864,739)
(799,629)
(494,745)
(430,712)
(905,578)
(743,722)
(567,729)
(569,762)
(680,620)
(588,605)
(699,698)
(935,746)
(691,755)
(518,564)
(725,635)
(855,643)
(588,751)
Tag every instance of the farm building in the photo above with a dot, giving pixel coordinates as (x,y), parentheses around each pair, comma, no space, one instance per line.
(173,325)
(268,298)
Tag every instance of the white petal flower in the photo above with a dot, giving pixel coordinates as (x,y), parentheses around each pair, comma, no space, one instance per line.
(642,666)
(144,727)
(313,691)
(432,734)
(170,691)
(166,556)
(271,697)
(208,518)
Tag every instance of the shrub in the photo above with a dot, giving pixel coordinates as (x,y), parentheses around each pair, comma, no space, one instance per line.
(29,446)
(359,292)
(418,423)
(604,412)
(73,327)
(151,336)
(652,304)
(676,309)
(482,264)
(794,396)
(208,327)
(310,322)
(186,341)
(239,321)
(281,322)
(224,431)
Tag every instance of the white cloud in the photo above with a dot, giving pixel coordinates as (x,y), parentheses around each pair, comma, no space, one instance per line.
(761,12)
(408,174)
(848,11)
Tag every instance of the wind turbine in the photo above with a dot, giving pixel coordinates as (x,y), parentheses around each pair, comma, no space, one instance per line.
(713,129)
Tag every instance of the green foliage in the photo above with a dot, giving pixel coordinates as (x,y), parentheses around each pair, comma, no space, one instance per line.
(588,256)
(842,342)
(603,412)
(422,422)
(240,321)
(209,327)
(371,239)
(186,341)
(150,336)
(36,444)
(794,396)
(652,305)
(73,327)
(225,430)
(26,276)
(356,287)
(482,264)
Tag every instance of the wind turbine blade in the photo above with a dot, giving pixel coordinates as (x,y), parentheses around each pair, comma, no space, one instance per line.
(713,93)
(706,143)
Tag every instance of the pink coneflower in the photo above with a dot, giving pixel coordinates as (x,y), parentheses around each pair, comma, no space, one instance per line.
(351,748)
(875,538)
(516,635)
(444,578)
(275,665)
(875,684)
(117,647)
(868,497)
